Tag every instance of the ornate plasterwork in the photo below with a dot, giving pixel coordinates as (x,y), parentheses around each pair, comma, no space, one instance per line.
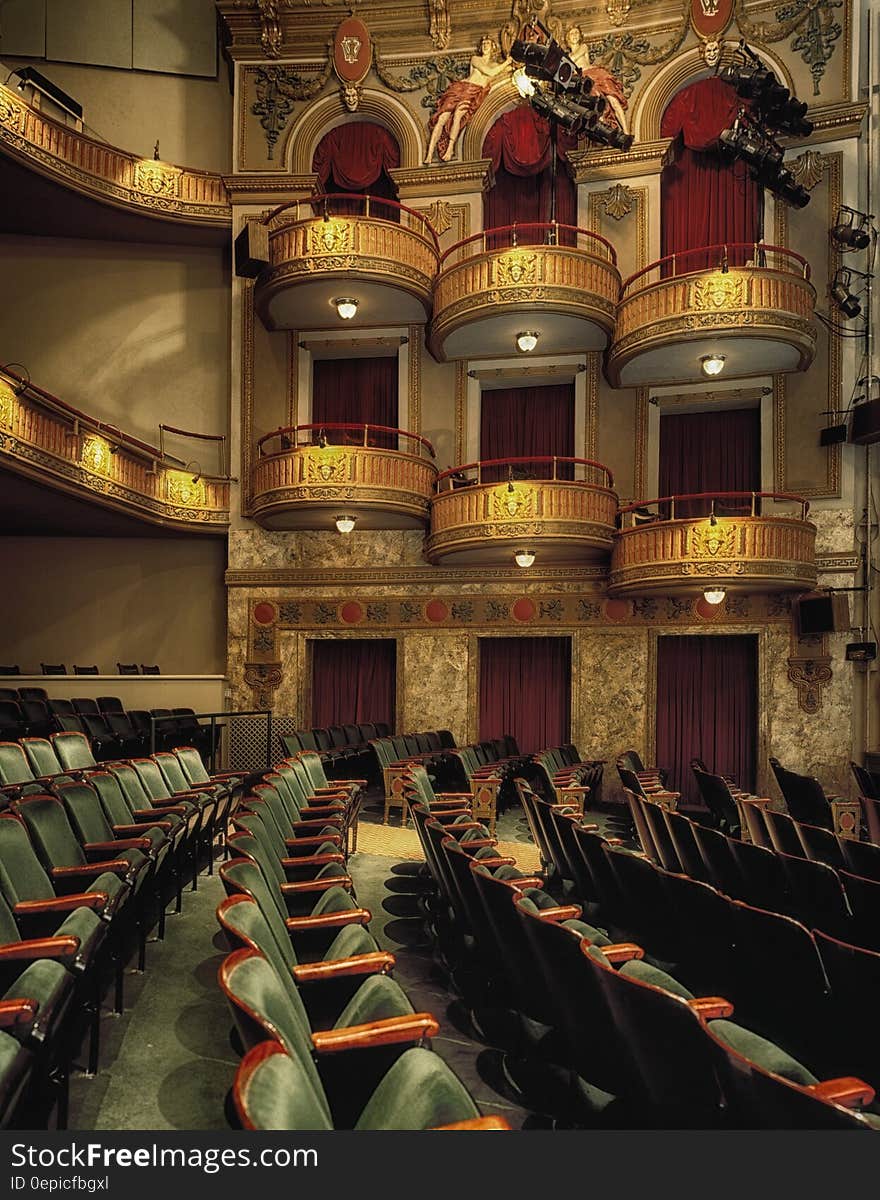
(414,418)
(809,669)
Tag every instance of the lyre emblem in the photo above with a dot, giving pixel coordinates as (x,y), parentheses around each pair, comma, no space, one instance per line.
(351,48)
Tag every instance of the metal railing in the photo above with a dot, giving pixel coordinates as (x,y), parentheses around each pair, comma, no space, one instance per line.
(721,257)
(593,474)
(529,233)
(352,434)
(344,204)
(640,512)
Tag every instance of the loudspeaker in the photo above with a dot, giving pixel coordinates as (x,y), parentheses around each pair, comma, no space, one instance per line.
(832,435)
(864,652)
(252,249)
(865,425)
(822,612)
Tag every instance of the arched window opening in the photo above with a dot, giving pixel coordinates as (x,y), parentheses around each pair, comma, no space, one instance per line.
(357,158)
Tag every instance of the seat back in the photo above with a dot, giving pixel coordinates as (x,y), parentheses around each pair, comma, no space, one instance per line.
(861,858)
(127,668)
(152,778)
(274,1090)
(662,838)
(804,796)
(149,670)
(110,704)
(643,829)
(763,882)
(50,832)
(22,875)
(11,718)
(132,785)
(820,845)
(716,795)
(242,874)
(85,704)
(85,812)
(113,799)
(33,693)
(191,763)
(717,853)
(42,756)
(89,670)
(15,767)
(263,1008)
(783,833)
(53,668)
(9,693)
(73,750)
(817,895)
(681,831)
(645,908)
(854,979)
(172,771)
(756,825)
(863,896)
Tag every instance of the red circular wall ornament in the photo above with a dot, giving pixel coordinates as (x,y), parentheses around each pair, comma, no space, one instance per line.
(352,50)
(436,610)
(524,609)
(264,613)
(352,612)
(706,610)
(616,610)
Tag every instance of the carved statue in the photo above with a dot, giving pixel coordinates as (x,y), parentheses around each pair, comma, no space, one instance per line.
(462,98)
(524,11)
(604,83)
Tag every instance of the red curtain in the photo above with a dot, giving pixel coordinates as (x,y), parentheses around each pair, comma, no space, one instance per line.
(520,147)
(353,680)
(517,422)
(707,708)
(706,200)
(361,390)
(356,158)
(525,690)
(710,452)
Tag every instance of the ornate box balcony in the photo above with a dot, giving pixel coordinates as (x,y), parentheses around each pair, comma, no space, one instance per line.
(735,541)
(554,280)
(481,513)
(749,305)
(308,475)
(376,252)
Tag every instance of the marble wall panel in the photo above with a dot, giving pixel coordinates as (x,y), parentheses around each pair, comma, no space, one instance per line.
(610,706)
(435,675)
(258,549)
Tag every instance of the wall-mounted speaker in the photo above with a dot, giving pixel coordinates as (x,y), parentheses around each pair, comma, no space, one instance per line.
(252,249)
(832,434)
(822,612)
(865,423)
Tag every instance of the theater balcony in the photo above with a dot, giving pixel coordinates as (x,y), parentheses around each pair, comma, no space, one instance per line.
(557,281)
(307,476)
(735,541)
(748,306)
(488,512)
(375,252)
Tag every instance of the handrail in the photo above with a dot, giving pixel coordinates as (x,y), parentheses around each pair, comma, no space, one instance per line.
(452,472)
(552,226)
(323,427)
(201,437)
(673,261)
(752,497)
(320,199)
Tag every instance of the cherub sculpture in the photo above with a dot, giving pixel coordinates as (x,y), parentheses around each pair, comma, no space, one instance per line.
(462,98)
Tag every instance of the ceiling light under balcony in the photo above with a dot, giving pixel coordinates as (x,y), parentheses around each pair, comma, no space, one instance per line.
(527,341)
(345,524)
(346,307)
(524,558)
(712,364)
(714,595)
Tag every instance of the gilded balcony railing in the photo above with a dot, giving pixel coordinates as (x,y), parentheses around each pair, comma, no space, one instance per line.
(558,507)
(741,541)
(56,444)
(114,176)
(351,238)
(537,268)
(304,473)
(744,289)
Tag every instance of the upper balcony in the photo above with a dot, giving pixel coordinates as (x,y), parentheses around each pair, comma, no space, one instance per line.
(557,281)
(376,252)
(749,305)
(729,541)
(306,476)
(481,513)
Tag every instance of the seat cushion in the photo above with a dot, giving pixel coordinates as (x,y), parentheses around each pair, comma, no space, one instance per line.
(645,973)
(86,925)
(378,997)
(418,1092)
(759,1050)
(352,939)
(51,986)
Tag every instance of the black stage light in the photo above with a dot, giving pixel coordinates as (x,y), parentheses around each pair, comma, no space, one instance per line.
(547,61)
(849,235)
(840,293)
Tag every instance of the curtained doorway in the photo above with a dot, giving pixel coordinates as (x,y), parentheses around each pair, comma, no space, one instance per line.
(525,691)
(356,391)
(354,680)
(707,707)
(718,451)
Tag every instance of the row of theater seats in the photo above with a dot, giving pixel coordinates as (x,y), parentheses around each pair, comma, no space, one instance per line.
(329,1039)
(89,861)
(570,974)
(342,748)
(112,731)
(61,669)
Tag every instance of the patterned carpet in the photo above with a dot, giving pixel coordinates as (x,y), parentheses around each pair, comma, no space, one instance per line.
(391,841)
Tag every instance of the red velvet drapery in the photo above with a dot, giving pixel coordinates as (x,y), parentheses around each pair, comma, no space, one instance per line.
(705,200)
(356,158)
(710,452)
(525,690)
(515,422)
(356,390)
(707,708)
(520,147)
(353,680)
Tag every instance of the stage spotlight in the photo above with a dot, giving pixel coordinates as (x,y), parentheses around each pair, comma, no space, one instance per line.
(847,234)
(772,100)
(841,294)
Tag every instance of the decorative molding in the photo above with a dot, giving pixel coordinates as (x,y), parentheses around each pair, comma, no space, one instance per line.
(447,179)
(264,679)
(617,201)
(640,466)
(440,23)
(354,578)
(273,187)
(645,158)
(807,169)
(414,417)
(293,348)
(461,378)
(591,429)
(833,563)
(810,672)
(279,89)
(247,393)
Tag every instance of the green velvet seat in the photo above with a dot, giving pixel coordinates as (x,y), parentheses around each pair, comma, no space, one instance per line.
(297,896)
(275,1091)
(73,750)
(41,755)
(15,767)
(159,793)
(297,866)
(292,823)
(16,1065)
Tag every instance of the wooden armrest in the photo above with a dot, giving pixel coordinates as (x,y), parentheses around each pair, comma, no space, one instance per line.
(525,881)
(561,912)
(295,843)
(710,1008)
(163,806)
(316,885)
(463,825)
(451,805)
(478,843)
(134,843)
(613,841)
(335,821)
(337,920)
(621,952)
(848,1091)
(17,1012)
(333,812)
(468,796)
(480,1123)
(132,832)
(61,904)
(376,962)
(312,860)
(579,789)
(496,862)
(115,866)
(413,1027)
(357,782)
(57,948)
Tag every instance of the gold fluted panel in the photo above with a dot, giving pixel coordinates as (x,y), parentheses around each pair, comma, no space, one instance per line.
(109,174)
(756,301)
(75,455)
(561,513)
(348,249)
(739,553)
(564,279)
(366,478)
